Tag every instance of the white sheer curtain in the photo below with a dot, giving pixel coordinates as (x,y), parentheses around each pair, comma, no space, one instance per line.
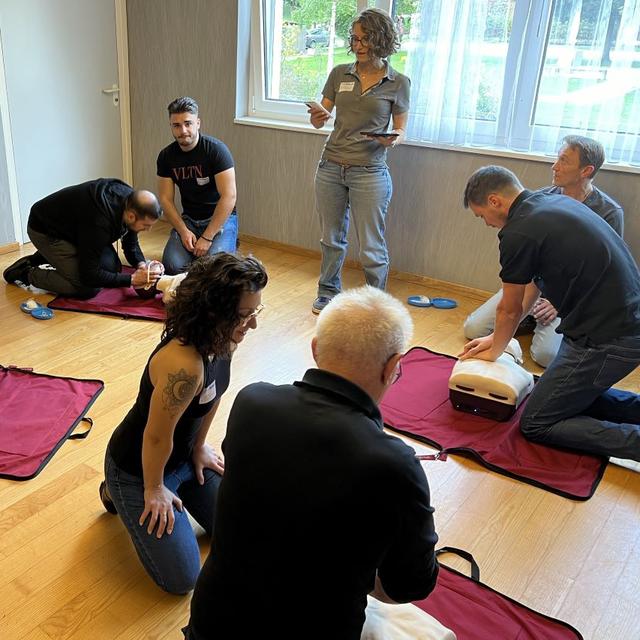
(582,76)
(444,65)
(590,83)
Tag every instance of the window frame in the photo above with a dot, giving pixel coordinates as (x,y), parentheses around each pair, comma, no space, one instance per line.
(258,105)
(523,73)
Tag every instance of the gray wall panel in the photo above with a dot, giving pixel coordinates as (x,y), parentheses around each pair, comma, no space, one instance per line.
(188,47)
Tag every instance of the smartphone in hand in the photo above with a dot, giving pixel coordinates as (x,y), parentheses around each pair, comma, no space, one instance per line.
(312,104)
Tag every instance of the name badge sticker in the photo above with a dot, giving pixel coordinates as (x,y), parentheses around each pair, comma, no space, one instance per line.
(202,181)
(208,394)
(346,86)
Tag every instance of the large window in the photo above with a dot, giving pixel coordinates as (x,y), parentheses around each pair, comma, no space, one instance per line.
(505,74)
(295,43)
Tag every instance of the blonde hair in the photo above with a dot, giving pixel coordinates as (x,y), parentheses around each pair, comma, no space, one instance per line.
(364,327)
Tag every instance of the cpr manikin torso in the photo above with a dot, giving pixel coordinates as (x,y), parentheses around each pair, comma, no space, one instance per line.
(491,389)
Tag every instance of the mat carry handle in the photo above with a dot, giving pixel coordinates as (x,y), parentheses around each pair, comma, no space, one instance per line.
(84,434)
(475,569)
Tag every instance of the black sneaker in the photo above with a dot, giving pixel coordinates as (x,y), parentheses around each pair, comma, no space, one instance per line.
(105,498)
(37,259)
(18,272)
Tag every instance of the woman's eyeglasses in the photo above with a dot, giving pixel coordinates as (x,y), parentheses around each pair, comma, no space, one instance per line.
(245,319)
(365,42)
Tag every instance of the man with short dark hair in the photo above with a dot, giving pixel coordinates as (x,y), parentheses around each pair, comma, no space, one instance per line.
(587,272)
(74,230)
(578,161)
(318,506)
(202,168)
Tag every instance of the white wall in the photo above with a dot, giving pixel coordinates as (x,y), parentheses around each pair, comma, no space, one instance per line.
(7,234)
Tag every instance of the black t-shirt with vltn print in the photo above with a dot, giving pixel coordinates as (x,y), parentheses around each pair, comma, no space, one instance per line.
(194,172)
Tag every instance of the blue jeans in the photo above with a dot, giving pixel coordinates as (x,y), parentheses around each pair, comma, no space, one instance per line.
(177,259)
(173,561)
(364,192)
(573,405)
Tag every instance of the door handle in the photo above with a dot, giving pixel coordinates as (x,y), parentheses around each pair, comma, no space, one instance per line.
(115,92)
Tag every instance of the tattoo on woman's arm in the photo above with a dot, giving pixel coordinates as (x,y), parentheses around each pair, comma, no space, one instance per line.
(179,390)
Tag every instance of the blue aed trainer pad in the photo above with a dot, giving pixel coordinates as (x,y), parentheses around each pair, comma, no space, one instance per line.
(36,310)
(419,301)
(438,303)
(42,313)
(444,303)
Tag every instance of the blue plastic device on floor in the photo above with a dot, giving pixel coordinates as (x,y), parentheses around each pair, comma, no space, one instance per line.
(36,310)
(438,303)
(419,301)
(444,303)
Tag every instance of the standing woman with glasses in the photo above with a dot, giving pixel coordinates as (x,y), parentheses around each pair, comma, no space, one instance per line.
(352,176)
(158,462)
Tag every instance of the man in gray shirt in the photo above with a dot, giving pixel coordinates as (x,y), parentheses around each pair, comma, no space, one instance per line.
(579,159)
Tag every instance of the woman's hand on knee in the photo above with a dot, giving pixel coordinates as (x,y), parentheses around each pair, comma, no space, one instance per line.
(204,457)
(158,508)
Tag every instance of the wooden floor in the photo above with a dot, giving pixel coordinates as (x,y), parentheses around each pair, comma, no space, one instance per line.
(69,571)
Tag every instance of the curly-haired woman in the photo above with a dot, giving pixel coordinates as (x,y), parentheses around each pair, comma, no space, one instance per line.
(157,462)
(352,174)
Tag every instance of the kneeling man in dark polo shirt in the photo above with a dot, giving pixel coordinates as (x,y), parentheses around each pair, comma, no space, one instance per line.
(318,506)
(586,271)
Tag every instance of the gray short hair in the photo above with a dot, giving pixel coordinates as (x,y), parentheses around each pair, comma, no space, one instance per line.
(365,326)
(488,180)
(590,151)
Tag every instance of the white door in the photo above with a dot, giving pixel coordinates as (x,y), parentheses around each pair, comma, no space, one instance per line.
(59,55)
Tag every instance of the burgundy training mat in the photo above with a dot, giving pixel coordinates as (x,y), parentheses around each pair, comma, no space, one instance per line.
(474,611)
(122,301)
(38,413)
(418,405)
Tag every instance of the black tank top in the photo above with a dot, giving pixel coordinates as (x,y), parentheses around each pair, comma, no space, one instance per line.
(125,445)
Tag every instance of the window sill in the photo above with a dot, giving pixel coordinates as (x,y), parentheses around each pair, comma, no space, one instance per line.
(305,127)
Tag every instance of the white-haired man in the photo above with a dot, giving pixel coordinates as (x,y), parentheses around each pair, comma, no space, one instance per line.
(319,506)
